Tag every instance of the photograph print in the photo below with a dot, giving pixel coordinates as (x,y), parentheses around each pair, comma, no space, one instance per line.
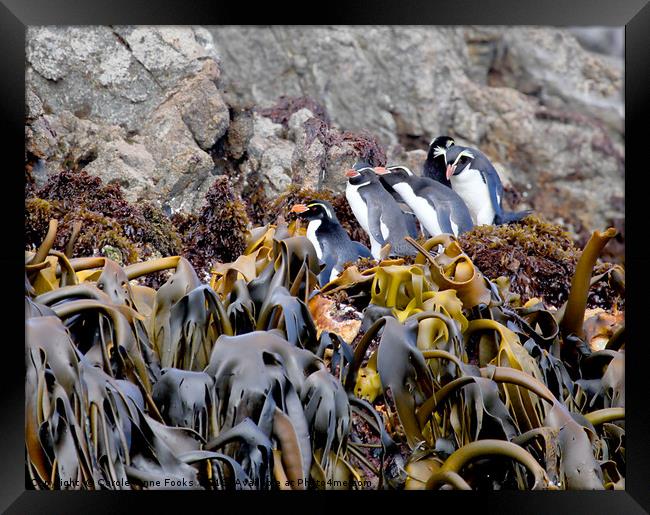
(324,258)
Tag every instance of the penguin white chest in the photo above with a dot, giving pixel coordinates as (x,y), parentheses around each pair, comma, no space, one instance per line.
(421,207)
(312,227)
(358,206)
(476,195)
(360,211)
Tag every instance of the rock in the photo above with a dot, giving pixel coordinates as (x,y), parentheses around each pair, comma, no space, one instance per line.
(350,71)
(324,152)
(413,159)
(136,105)
(269,155)
(547,112)
(604,40)
(296,123)
(184,169)
(169,54)
(239,134)
(554,67)
(164,109)
(91,73)
(310,155)
(129,164)
(201,106)
(340,157)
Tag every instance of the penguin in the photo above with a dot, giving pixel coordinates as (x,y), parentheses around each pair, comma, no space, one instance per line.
(435,166)
(411,219)
(438,208)
(332,243)
(474,178)
(377,212)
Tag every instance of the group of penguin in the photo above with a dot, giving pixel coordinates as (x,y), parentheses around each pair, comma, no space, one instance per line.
(458,189)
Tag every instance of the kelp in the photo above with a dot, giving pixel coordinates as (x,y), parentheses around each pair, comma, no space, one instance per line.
(538,258)
(446,381)
(107,224)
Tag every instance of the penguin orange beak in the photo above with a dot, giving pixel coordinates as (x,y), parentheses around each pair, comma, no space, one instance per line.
(299,208)
(381,170)
(351,173)
(450,171)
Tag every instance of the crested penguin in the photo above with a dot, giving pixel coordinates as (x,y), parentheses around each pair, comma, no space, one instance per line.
(474,178)
(411,219)
(435,167)
(333,245)
(377,212)
(438,208)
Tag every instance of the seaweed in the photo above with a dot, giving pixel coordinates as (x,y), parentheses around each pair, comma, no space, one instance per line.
(99,235)
(366,145)
(159,233)
(256,200)
(137,370)
(221,229)
(539,258)
(234,375)
(286,106)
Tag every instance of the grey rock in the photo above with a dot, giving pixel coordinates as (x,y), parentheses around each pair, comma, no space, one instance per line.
(413,159)
(201,107)
(297,123)
(309,159)
(136,105)
(129,164)
(562,74)
(89,72)
(148,106)
(270,155)
(183,169)
(239,134)
(604,40)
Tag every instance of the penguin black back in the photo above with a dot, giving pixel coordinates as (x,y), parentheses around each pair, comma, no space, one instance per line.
(438,208)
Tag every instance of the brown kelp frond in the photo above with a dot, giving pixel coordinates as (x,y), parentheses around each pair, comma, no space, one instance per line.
(441,378)
(577,302)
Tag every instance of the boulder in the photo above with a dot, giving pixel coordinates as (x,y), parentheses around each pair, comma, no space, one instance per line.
(136,105)
(546,110)
(163,110)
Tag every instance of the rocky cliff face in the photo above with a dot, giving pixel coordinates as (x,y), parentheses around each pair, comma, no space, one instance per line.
(164,110)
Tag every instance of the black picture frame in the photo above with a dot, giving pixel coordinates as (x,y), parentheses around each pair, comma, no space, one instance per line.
(16,15)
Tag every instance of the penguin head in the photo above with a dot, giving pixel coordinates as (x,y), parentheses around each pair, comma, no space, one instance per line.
(361,176)
(359,165)
(316,210)
(393,175)
(458,160)
(438,147)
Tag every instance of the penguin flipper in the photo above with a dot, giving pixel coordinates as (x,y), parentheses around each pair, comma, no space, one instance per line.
(411,224)
(461,218)
(374,223)
(444,219)
(326,272)
(496,190)
(508,217)
(361,250)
